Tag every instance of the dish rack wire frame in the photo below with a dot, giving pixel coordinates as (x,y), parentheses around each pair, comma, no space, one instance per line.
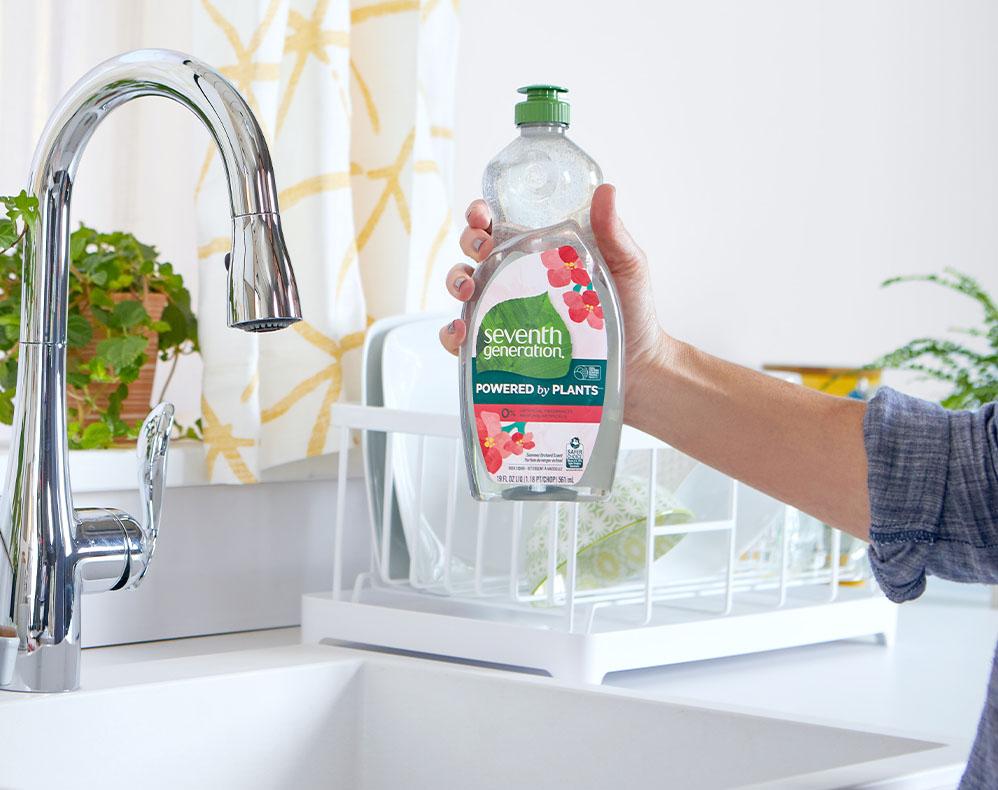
(492,620)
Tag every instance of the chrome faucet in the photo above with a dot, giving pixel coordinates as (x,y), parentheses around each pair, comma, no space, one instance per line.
(53,552)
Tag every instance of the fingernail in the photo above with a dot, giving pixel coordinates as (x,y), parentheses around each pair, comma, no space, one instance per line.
(477,244)
(450,328)
(459,282)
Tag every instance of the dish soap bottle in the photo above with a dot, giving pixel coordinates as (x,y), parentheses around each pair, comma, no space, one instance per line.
(541,372)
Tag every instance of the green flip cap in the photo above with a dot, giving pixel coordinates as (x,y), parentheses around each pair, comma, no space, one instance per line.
(542,105)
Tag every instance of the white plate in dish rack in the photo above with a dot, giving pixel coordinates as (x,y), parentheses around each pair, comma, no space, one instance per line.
(373,443)
(418,375)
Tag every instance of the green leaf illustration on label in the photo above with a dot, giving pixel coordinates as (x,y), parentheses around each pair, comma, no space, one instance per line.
(525,336)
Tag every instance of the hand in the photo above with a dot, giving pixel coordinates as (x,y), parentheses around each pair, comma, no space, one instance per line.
(800,446)
(627,264)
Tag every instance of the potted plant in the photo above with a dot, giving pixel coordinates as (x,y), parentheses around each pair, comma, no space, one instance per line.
(126,308)
(968,363)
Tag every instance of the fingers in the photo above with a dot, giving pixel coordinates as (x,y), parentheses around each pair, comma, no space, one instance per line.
(476,243)
(478,216)
(459,282)
(476,239)
(619,250)
(462,287)
(452,335)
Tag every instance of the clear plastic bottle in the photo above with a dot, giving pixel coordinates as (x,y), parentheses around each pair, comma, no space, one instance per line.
(542,370)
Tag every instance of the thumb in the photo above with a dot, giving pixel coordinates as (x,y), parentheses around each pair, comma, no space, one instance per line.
(615,244)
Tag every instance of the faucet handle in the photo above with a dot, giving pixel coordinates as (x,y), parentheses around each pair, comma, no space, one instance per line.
(153,443)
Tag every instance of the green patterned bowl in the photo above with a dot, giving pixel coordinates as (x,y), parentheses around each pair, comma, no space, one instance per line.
(611,542)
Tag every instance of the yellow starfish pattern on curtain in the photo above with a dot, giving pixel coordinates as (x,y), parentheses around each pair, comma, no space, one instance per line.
(365,93)
(219,441)
(308,37)
(245,71)
(431,5)
(366,12)
(287,198)
(332,373)
(393,189)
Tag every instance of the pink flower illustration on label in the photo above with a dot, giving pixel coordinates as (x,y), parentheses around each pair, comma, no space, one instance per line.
(584,306)
(564,267)
(496,443)
(521,442)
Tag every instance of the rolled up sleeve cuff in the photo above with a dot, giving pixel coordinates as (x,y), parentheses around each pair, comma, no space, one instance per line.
(907,447)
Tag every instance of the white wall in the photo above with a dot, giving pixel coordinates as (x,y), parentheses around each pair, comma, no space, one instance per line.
(776,159)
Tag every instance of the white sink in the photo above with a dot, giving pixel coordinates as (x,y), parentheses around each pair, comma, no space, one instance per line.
(325,717)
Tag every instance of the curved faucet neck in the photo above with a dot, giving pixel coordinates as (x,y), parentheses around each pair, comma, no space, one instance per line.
(173,75)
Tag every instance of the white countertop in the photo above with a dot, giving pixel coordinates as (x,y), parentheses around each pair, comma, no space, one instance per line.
(931,683)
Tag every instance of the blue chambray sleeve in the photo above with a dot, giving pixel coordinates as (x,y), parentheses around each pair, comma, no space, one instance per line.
(933,493)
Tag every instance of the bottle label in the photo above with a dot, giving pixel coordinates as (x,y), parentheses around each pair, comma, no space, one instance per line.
(538,372)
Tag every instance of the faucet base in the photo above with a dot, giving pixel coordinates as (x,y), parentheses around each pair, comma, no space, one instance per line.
(54,669)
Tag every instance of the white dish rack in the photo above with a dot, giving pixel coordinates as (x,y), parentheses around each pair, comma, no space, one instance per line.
(487,612)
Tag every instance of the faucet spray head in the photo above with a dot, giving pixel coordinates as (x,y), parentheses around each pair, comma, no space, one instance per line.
(263,295)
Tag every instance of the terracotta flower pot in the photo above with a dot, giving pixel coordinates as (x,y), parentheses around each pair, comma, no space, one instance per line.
(136,405)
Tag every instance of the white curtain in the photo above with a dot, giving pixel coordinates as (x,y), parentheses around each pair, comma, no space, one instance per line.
(364,195)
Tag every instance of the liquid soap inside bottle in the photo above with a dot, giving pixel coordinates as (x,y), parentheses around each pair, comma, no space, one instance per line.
(541,371)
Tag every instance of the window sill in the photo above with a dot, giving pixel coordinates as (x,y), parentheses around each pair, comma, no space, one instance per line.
(117,469)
